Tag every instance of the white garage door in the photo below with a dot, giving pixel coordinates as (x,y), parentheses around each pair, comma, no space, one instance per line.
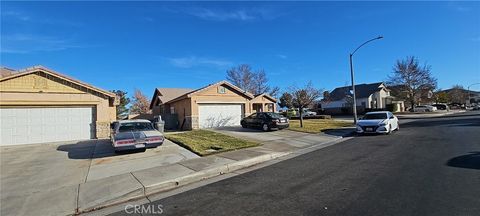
(40,125)
(219,115)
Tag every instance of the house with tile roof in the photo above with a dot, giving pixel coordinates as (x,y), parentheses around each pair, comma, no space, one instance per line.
(216,105)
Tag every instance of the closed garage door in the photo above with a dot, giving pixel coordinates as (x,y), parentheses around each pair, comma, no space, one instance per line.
(219,115)
(40,125)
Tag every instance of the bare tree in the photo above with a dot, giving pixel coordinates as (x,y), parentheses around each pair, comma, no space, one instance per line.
(255,82)
(413,78)
(140,103)
(304,97)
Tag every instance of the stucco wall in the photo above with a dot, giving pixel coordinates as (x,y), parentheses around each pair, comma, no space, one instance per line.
(183,110)
(35,90)
(261,100)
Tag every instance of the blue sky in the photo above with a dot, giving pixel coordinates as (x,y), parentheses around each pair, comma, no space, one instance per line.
(128,45)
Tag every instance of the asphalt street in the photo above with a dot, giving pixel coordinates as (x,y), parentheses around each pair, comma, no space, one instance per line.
(429,167)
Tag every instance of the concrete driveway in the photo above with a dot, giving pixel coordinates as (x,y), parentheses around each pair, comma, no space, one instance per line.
(29,169)
(289,137)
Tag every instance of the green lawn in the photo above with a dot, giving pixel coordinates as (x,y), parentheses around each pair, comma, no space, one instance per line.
(204,142)
(317,125)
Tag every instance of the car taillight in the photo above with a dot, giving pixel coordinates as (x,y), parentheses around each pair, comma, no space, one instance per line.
(123,142)
(154,139)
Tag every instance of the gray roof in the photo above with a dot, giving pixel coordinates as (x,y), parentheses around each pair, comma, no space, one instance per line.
(362,91)
(4,72)
(168,94)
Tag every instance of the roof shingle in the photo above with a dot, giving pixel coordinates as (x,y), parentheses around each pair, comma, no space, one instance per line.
(362,91)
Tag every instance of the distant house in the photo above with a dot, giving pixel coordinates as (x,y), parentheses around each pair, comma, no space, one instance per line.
(215,105)
(369,97)
(423,96)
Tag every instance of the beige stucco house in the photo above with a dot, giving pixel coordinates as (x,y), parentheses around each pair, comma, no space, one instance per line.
(38,105)
(216,105)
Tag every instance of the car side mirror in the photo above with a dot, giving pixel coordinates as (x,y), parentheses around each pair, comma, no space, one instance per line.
(392,117)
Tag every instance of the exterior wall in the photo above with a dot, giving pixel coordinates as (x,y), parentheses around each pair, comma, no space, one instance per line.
(183,109)
(211,95)
(261,100)
(379,97)
(156,110)
(34,90)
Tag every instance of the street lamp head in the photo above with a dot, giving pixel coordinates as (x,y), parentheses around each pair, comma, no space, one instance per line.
(379,37)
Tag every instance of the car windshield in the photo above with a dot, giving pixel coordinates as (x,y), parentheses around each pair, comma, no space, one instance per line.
(135,126)
(375,116)
(274,115)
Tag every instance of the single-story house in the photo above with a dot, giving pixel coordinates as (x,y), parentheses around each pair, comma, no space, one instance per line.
(39,105)
(215,105)
(369,96)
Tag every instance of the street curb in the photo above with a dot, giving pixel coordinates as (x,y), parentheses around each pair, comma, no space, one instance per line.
(428,115)
(177,182)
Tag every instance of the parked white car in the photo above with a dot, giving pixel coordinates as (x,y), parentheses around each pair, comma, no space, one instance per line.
(134,134)
(382,122)
(424,108)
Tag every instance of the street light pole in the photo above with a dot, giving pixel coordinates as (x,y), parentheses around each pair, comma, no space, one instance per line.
(469,92)
(352,77)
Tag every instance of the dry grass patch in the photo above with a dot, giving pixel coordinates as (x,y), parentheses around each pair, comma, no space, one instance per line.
(205,142)
(317,125)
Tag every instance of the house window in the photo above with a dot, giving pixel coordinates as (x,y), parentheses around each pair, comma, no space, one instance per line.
(221,90)
(172,110)
(364,104)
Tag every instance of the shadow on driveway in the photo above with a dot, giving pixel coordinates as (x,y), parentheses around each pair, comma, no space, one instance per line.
(92,149)
(469,161)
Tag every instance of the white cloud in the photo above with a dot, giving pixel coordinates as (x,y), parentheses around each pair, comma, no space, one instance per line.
(237,14)
(218,15)
(26,43)
(281,56)
(15,15)
(19,16)
(192,61)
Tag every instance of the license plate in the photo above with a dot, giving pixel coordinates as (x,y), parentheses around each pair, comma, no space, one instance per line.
(140,146)
(369,129)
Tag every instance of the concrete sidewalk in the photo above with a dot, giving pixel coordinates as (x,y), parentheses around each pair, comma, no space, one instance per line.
(98,186)
(140,184)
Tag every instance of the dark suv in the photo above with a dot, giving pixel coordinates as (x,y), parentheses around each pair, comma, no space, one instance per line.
(265,120)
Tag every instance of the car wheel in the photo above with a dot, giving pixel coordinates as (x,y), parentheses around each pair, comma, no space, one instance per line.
(398,127)
(265,127)
(389,129)
(244,125)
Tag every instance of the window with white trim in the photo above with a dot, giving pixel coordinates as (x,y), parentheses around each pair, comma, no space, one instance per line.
(221,90)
